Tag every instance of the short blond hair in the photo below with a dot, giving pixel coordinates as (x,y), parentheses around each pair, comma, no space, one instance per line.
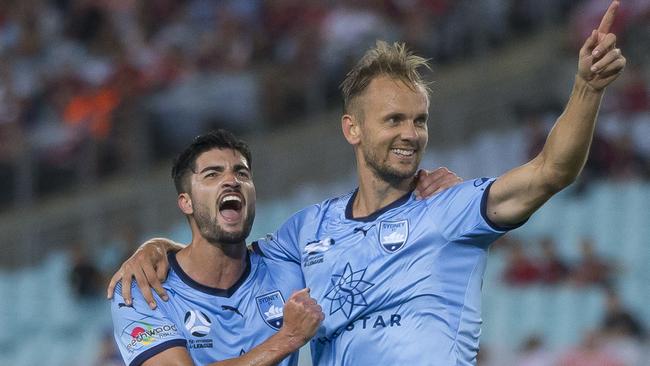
(393,60)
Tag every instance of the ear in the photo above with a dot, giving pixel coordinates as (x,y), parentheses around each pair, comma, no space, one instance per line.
(351,129)
(185,203)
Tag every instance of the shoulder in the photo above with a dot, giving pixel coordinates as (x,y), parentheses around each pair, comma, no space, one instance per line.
(142,333)
(117,292)
(139,304)
(469,189)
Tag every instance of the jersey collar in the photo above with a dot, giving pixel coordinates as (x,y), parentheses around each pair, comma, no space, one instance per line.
(373,216)
(173,263)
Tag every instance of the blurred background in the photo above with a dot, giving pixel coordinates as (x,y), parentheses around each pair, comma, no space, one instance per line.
(97,96)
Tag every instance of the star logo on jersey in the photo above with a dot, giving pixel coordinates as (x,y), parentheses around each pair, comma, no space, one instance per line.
(271,308)
(393,234)
(347,291)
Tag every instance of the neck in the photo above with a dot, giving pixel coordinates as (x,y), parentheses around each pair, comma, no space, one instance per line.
(376,193)
(213,265)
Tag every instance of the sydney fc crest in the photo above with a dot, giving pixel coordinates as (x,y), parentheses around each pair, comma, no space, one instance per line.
(271,308)
(393,234)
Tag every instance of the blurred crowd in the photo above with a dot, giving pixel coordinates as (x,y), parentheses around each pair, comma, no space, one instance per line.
(618,340)
(90,87)
(547,267)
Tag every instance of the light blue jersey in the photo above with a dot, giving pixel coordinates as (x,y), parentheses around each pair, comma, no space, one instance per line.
(399,287)
(213,324)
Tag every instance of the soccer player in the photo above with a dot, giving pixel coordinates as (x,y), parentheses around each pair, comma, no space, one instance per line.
(399,279)
(224,302)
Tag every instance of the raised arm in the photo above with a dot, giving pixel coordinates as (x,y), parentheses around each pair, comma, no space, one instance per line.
(517,194)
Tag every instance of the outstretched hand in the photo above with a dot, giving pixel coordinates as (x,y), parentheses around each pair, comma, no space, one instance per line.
(600,62)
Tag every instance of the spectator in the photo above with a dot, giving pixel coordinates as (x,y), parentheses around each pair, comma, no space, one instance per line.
(623,333)
(589,353)
(552,268)
(85,278)
(520,270)
(618,320)
(591,269)
(534,353)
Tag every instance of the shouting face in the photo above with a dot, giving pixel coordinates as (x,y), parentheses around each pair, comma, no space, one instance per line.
(222,198)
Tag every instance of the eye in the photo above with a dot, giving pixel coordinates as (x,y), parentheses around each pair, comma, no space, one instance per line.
(420,122)
(243,174)
(393,120)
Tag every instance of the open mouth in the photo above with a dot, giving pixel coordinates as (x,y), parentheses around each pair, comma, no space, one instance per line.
(230,207)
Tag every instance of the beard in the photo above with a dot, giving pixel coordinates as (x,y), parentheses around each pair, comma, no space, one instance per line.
(385,171)
(215,234)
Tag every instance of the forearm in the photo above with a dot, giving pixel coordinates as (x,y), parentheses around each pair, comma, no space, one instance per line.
(567,146)
(270,352)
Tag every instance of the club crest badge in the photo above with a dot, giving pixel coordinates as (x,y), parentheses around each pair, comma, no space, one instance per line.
(271,308)
(393,234)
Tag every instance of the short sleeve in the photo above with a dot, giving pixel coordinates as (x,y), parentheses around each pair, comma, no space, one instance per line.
(283,244)
(141,333)
(462,212)
(283,266)
(281,251)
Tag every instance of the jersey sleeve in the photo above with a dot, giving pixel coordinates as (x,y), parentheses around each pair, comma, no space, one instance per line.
(462,212)
(283,245)
(141,333)
(281,251)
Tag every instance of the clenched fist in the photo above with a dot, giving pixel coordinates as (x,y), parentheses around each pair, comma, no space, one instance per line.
(302,318)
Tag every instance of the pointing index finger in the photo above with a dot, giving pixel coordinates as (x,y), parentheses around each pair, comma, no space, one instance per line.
(608,18)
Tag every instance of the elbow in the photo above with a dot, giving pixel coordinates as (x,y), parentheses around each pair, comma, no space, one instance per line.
(557,176)
(557,181)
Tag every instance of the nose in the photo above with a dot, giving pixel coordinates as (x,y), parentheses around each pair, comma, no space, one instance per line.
(409,131)
(230,180)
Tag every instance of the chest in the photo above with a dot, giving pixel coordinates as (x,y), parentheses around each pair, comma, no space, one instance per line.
(355,256)
(220,327)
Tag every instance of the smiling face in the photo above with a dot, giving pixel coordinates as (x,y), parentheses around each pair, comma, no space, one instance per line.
(389,129)
(222,196)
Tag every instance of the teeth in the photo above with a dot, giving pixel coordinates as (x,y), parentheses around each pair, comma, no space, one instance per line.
(231,198)
(403,152)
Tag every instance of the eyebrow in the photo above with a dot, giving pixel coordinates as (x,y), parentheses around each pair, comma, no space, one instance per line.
(241,166)
(221,168)
(397,115)
(400,115)
(211,167)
